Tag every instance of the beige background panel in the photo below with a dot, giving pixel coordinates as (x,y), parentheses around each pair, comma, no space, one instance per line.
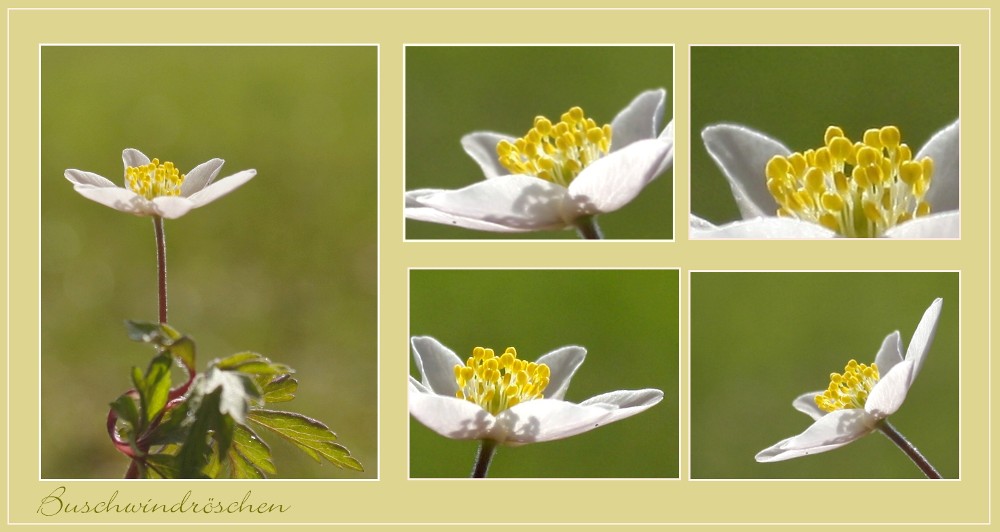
(555,501)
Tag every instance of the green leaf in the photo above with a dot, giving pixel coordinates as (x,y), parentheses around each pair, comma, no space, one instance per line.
(127,410)
(251,363)
(162,466)
(280,390)
(196,450)
(164,337)
(153,387)
(311,436)
(250,456)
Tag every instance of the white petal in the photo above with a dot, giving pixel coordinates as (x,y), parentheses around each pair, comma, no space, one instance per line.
(436,364)
(88,179)
(414,210)
(482,147)
(133,157)
(890,354)
(923,336)
(937,225)
(742,154)
(758,228)
(667,136)
(221,188)
(200,176)
(562,363)
(890,391)
(118,199)
(616,179)
(546,420)
(171,207)
(833,430)
(625,403)
(806,403)
(419,386)
(449,416)
(943,149)
(517,201)
(639,120)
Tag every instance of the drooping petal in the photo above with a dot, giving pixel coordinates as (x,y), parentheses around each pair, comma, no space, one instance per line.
(562,363)
(742,154)
(612,181)
(436,364)
(221,187)
(890,391)
(806,403)
(200,176)
(414,210)
(171,207)
(890,354)
(449,416)
(117,198)
(762,227)
(639,120)
(943,149)
(134,158)
(482,147)
(518,201)
(625,403)
(546,420)
(829,432)
(923,336)
(937,225)
(87,179)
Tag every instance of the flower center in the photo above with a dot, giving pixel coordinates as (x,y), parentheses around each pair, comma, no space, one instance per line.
(154,179)
(498,383)
(559,152)
(850,389)
(858,189)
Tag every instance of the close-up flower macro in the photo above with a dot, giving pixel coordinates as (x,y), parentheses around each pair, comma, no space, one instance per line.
(152,188)
(864,342)
(604,405)
(592,159)
(782,156)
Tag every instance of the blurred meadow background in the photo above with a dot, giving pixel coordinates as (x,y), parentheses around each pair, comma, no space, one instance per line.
(758,340)
(454,90)
(792,93)
(631,338)
(284,266)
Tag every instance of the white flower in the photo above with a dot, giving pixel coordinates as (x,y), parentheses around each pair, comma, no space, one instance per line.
(155,189)
(557,173)
(858,400)
(822,205)
(530,411)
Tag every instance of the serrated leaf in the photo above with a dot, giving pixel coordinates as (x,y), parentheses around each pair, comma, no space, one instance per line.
(153,387)
(280,390)
(127,410)
(163,465)
(311,436)
(164,337)
(196,450)
(183,349)
(250,456)
(251,363)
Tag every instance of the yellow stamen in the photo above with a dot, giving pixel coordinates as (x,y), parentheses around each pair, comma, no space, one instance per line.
(856,189)
(498,383)
(850,389)
(556,152)
(154,179)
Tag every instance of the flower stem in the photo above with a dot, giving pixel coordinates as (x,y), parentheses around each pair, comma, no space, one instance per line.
(890,432)
(161,267)
(588,229)
(487,448)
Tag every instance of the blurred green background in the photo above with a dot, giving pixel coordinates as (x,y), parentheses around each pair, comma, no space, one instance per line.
(792,93)
(758,340)
(626,319)
(284,266)
(454,90)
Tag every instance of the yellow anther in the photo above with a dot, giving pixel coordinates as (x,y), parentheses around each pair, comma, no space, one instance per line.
(556,152)
(857,189)
(850,389)
(154,179)
(497,383)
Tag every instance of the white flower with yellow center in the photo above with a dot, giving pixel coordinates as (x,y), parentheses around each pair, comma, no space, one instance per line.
(153,188)
(557,173)
(875,187)
(507,400)
(858,400)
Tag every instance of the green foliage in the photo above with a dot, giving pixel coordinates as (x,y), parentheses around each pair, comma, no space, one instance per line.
(200,429)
